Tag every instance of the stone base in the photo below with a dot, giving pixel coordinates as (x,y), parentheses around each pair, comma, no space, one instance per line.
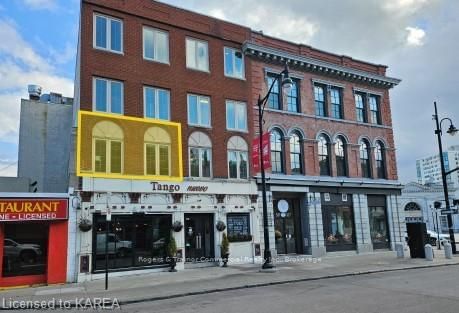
(364,248)
(318,252)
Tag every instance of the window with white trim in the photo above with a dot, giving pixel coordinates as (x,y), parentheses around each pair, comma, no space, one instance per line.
(198,110)
(155,45)
(157,152)
(197,54)
(234,63)
(236,115)
(107,148)
(237,158)
(156,103)
(200,155)
(108,95)
(108,33)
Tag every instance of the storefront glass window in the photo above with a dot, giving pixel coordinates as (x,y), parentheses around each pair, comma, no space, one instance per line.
(133,240)
(25,249)
(238,227)
(339,227)
(378,227)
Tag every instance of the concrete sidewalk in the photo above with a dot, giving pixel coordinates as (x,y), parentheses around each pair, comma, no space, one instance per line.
(163,285)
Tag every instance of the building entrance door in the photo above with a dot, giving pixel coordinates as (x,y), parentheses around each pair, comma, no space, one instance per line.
(199,237)
(286,228)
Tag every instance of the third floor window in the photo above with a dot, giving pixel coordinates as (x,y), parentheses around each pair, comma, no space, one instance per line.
(361,113)
(234,63)
(108,33)
(336,105)
(155,45)
(293,103)
(107,95)
(197,54)
(156,103)
(320,101)
(236,115)
(374,109)
(198,110)
(274,97)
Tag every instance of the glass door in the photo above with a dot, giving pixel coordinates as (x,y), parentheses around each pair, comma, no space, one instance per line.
(285,229)
(199,237)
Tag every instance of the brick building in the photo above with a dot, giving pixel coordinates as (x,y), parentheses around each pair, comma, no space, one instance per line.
(164,118)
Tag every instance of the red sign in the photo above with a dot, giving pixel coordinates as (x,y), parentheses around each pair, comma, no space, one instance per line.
(33,209)
(266,152)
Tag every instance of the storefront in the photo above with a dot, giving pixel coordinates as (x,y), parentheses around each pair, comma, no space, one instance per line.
(33,239)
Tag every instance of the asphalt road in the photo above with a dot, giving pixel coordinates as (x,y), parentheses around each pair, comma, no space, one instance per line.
(433,290)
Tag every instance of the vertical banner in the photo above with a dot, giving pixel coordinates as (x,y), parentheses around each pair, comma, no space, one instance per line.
(266,152)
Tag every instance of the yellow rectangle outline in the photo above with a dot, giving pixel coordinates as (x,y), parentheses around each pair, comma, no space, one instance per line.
(134,119)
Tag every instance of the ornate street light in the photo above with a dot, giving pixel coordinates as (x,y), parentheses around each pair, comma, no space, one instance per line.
(286,84)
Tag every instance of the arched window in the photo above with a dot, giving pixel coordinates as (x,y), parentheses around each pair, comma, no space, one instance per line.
(365,158)
(296,155)
(412,206)
(157,152)
(340,156)
(200,155)
(237,158)
(380,160)
(107,149)
(324,156)
(277,152)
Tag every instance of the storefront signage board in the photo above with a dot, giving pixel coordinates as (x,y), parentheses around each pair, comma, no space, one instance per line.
(12,209)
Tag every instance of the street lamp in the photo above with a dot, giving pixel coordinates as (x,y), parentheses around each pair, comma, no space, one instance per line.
(286,84)
(452,130)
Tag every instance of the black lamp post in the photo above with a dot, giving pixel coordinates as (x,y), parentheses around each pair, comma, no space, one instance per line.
(286,83)
(452,130)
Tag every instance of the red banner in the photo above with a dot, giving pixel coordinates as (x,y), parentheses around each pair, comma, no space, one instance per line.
(266,152)
(33,209)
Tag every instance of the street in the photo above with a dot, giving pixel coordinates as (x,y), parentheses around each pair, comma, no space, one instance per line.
(417,291)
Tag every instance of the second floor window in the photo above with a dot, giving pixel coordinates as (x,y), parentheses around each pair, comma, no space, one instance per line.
(200,155)
(340,155)
(157,152)
(198,110)
(155,45)
(107,95)
(295,154)
(237,158)
(197,54)
(374,109)
(274,97)
(234,63)
(380,161)
(236,115)
(320,101)
(324,156)
(156,103)
(336,106)
(293,98)
(108,33)
(360,111)
(107,148)
(277,152)
(365,159)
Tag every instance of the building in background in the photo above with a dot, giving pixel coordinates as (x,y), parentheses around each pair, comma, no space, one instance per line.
(429,168)
(44,140)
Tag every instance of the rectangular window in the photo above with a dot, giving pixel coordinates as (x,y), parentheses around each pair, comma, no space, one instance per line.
(234,63)
(274,101)
(197,54)
(108,96)
(237,164)
(293,98)
(155,45)
(200,162)
(336,106)
(108,33)
(156,103)
(320,100)
(108,156)
(198,110)
(115,157)
(238,227)
(100,156)
(157,159)
(374,109)
(361,113)
(236,115)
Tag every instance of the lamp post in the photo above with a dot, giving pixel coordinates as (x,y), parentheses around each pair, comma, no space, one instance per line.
(286,83)
(452,130)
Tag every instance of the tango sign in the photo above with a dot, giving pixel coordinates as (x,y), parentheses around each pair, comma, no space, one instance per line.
(33,209)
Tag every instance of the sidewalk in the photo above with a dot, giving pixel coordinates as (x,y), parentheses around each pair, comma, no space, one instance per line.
(165,285)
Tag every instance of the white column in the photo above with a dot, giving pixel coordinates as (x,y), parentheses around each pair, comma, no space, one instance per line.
(316,227)
(180,236)
(362,223)
(272,242)
(396,218)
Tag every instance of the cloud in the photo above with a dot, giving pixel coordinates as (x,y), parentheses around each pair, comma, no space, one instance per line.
(41,4)
(415,36)
(20,65)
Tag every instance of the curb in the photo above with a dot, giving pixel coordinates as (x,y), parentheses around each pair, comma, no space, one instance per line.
(282,282)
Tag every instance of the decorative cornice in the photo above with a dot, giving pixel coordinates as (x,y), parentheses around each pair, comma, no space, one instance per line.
(315,65)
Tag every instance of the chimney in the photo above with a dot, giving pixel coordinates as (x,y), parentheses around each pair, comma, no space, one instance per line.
(34,92)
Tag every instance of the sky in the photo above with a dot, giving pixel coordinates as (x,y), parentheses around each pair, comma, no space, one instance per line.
(417,39)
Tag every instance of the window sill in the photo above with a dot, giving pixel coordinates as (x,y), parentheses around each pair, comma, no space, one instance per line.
(199,126)
(236,77)
(156,61)
(108,50)
(245,131)
(198,70)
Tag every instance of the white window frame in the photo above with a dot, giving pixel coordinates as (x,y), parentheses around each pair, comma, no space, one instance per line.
(108,151)
(236,104)
(196,54)
(238,164)
(200,162)
(108,95)
(156,114)
(199,124)
(108,32)
(155,31)
(233,50)
(157,165)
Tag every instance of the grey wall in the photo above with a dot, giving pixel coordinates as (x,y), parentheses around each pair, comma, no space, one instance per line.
(14,184)
(44,144)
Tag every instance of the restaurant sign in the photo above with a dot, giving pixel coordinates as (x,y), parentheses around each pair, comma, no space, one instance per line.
(33,209)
